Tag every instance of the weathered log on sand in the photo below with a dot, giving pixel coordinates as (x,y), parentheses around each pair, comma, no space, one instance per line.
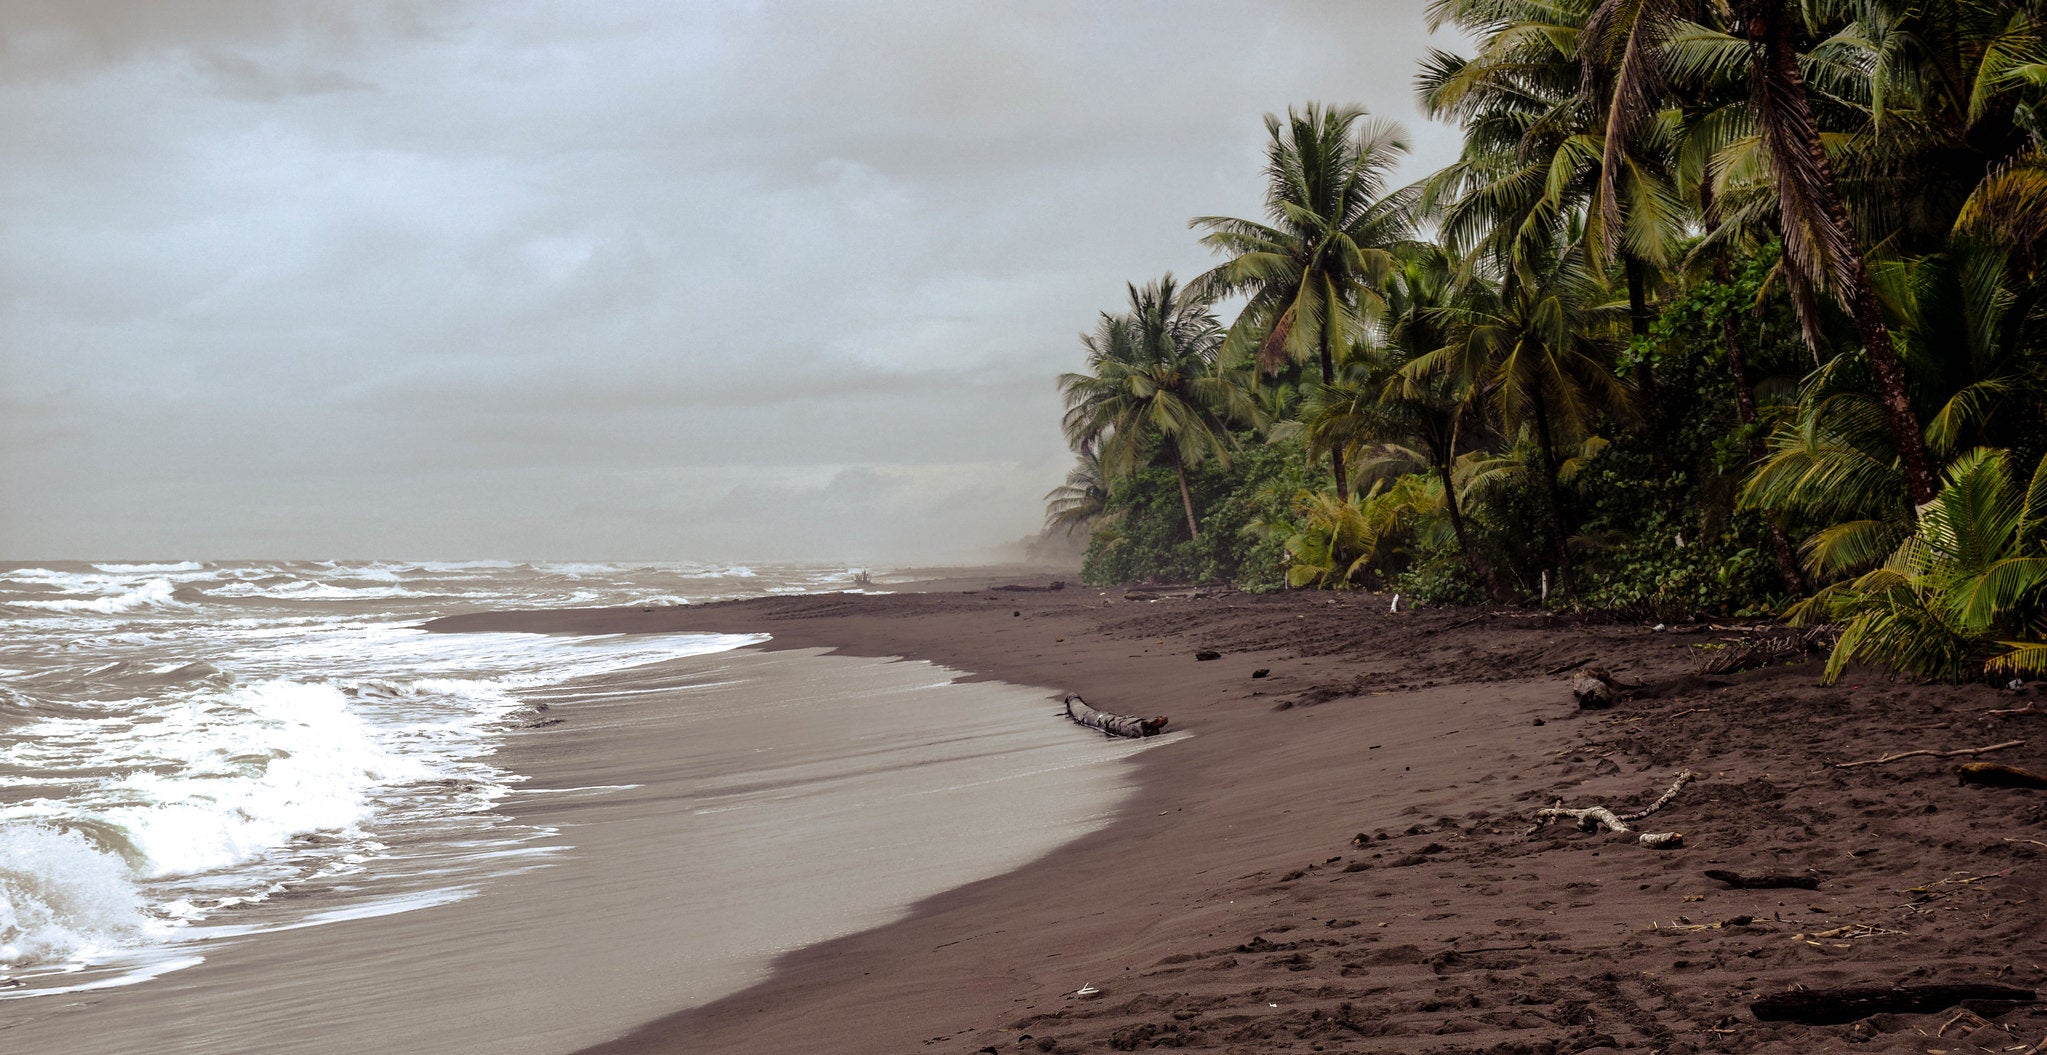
(1594,690)
(1996,776)
(1112,724)
(1763,881)
(1823,1007)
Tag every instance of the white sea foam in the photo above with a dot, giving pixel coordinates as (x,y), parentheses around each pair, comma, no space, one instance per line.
(312,590)
(155,593)
(62,898)
(264,764)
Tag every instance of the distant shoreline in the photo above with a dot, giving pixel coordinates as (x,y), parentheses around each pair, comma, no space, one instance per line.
(1228,906)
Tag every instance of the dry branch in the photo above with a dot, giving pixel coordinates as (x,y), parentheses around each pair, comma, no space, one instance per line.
(1930,753)
(1112,724)
(1593,818)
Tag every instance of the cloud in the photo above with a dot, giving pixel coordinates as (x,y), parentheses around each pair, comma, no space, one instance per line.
(310,279)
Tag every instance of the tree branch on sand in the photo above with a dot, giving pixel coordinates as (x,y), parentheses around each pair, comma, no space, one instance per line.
(1593,818)
(1930,753)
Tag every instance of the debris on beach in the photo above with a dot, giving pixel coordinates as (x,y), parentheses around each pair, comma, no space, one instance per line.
(1990,774)
(1593,690)
(1834,1006)
(1593,818)
(1112,724)
(1763,881)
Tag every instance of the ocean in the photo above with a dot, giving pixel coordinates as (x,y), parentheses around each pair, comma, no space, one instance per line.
(238,799)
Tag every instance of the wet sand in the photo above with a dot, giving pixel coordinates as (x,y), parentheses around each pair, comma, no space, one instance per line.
(1338,858)
(705,814)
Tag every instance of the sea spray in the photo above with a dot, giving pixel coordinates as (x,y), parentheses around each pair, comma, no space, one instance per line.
(62,897)
(237,776)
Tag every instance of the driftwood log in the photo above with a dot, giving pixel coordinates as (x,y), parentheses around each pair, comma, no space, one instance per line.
(1763,881)
(1823,1007)
(1993,775)
(1112,724)
(1593,818)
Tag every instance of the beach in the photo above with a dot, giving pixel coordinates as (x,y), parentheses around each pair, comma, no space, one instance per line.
(1338,856)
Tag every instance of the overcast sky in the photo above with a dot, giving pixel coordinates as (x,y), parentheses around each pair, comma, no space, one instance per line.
(603,280)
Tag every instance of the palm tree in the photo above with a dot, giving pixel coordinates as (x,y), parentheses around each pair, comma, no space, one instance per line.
(1311,272)
(1537,350)
(1155,389)
(1083,499)
(1814,222)
(1382,411)
(1562,133)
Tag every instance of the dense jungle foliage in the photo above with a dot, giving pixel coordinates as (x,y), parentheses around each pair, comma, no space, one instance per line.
(1726,307)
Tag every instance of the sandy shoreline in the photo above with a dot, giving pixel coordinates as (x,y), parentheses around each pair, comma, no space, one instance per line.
(1229,908)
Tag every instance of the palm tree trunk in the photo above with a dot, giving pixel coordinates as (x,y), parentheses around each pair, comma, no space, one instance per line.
(1652,406)
(1815,222)
(1335,450)
(1745,410)
(1552,489)
(1186,499)
(1472,560)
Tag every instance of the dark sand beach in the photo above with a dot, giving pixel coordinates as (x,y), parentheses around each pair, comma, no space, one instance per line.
(1339,858)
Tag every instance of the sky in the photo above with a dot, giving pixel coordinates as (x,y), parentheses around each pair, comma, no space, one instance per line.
(604,280)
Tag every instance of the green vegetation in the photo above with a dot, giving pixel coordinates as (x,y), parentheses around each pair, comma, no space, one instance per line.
(1724,308)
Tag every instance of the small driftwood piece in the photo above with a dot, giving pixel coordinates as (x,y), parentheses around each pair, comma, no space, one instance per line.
(1930,753)
(1593,818)
(1823,1007)
(1993,775)
(1112,724)
(1594,690)
(1762,881)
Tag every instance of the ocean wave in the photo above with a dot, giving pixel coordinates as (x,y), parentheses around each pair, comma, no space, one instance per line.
(62,897)
(218,780)
(156,593)
(150,569)
(312,590)
(267,763)
(736,571)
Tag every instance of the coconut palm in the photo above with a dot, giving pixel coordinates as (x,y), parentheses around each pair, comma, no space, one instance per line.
(1813,218)
(1083,499)
(1384,416)
(1560,134)
(1536,350)
(1154,389)
(1311,271)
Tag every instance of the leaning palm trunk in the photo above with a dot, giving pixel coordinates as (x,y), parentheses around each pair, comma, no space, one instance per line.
(1817,235)
(1186,498)
(1638,323)
(1472,560)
